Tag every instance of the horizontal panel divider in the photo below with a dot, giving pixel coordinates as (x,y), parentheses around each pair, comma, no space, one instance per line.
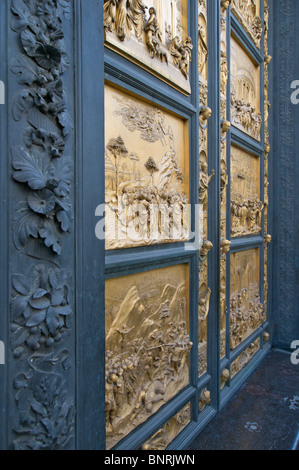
(145,87)
(146,430)
(241,244)
(246,142)
(120,264)
(247,43)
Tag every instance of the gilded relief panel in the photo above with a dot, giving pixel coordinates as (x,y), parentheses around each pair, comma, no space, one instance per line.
(245,357)
(147,345)
(267,150)
(246,207)
(146,173)
(248,14)
(225,127)
(153,34)
(246,309)
(170,431)
(205,176)
(245,92)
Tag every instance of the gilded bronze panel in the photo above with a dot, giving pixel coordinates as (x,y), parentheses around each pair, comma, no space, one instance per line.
(170,431)
(246,206)
(147,345)
(245,357)
(245,92)
(248,14)
(146,173)
(154,35)
(246,309)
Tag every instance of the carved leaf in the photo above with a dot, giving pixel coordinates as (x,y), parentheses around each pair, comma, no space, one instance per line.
(19,337)
(48,233)
(27,227)
(29,42)
(38,408)
(31,168)
(60,174)
(21,284)
(21,104)
(63,310)
(57,297)
(39,293)
(18,307)
(18,8)
(64,218)
(39,303)
(65,4)
(36,318)
(26,74)
(52,320)
(65,121)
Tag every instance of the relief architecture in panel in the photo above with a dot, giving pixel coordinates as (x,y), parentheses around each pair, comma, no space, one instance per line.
(147,346)
(246,206)
(154,34)
(245,89)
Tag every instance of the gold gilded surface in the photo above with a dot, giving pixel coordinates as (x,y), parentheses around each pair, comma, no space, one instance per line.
(246,309)
(147,345)
(146,173)
(170,431)
(246,207)
(202,42)
(248,14)
(204,399)
(245,357)
(153,34)
(245,92)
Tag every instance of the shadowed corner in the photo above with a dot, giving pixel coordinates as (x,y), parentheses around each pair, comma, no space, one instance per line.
(2,353)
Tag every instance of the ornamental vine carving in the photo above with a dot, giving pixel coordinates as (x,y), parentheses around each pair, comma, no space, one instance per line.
(40,311)
(40,162)
(46,413)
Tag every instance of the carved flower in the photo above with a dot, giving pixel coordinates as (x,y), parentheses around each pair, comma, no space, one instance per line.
(47,56)
(42,202)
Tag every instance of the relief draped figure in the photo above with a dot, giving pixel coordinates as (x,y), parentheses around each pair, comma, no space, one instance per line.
(138,14)
(153,32)
(123,21)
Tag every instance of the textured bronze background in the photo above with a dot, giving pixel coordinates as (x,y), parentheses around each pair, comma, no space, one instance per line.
(147,345)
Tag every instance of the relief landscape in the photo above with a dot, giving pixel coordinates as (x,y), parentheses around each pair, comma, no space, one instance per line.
(146,174)
(147,345)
